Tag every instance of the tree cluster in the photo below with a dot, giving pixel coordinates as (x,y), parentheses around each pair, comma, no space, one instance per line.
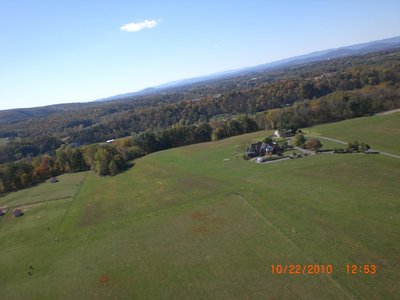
(357,147)
(17,149)
(336,106)
(181,135)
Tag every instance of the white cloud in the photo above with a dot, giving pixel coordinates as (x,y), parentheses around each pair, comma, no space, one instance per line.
(133,27)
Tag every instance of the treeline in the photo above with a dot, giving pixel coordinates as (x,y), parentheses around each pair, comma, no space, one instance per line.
(104,159)
(111,159)
(180,135)
(337,106)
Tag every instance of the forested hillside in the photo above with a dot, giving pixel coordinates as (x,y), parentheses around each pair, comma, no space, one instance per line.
(249,93)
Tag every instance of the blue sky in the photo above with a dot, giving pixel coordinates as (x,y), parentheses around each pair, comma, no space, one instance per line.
(72,51)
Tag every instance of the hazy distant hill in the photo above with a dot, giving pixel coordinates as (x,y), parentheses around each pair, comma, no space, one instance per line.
(18,114)
(357,49)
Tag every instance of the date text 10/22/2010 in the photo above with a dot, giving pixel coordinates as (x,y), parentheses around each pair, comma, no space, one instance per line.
(315,269)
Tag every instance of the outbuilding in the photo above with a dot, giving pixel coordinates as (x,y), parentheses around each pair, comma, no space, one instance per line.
(371,151)
(18,212)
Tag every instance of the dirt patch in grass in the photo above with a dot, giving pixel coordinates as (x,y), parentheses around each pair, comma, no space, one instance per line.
(201,229)
(203,216)
(199,216)
(205,221)
(197,182)
(104,279)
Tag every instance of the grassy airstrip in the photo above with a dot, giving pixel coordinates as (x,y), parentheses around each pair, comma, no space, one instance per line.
(199,223)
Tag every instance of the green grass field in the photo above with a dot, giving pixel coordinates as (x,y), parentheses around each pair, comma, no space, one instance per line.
(46,191)
(330,145)
(199,223)
(381,132)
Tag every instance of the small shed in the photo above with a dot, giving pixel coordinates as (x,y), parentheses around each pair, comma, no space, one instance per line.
(53,179)
(18,212)
(282,133)
(371,151)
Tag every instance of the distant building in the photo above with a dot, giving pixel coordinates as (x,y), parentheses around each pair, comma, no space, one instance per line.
(256,149)
(261,149)
(281,133)
(18,212)
(110,141)
(371,151)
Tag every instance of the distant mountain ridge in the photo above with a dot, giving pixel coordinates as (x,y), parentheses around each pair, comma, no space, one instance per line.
(357,49)
(12,115)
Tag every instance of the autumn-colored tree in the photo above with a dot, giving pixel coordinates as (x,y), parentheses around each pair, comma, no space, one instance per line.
(299,139)
(313,144)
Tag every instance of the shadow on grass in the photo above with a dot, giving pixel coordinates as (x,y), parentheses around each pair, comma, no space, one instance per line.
(129,165)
